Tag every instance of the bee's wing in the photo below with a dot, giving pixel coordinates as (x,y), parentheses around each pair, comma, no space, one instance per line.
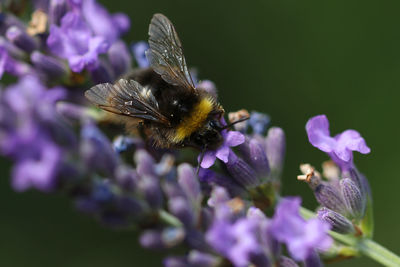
(166,54)
(127,98)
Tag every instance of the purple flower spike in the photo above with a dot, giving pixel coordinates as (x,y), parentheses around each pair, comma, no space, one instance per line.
(301,237)
(231,139)
(340,148)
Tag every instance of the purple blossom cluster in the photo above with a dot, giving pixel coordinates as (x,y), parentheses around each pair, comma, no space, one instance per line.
(344,195)
(215,211)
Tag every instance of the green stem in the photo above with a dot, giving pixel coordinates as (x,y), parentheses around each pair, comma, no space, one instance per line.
(365,246)
(378,253)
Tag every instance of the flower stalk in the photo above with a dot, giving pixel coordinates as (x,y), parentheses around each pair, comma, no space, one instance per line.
(364,245)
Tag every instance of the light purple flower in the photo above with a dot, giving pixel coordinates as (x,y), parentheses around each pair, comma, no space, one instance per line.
(231,139)
(244,241)
(301,237)
(102,23)
(340,148)
(40,170)
(27,121)
(74,41)
(27,107)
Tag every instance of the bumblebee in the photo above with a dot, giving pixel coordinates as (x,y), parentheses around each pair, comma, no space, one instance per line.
(162,100)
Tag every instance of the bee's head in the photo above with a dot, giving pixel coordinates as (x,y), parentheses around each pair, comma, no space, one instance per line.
(209,136)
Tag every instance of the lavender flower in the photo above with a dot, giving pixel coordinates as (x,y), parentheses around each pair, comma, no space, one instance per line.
(231,139)
(27,135)
(345,196)
(300,236)
(339,147)
(74,41)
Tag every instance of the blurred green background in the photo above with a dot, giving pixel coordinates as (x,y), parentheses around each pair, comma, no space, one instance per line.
(290,59)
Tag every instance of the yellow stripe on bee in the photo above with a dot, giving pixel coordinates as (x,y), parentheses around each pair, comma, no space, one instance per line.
(194,121)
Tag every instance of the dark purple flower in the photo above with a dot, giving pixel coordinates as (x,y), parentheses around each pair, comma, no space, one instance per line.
(340,148)
(138,50)
(74,41)
(231,139)
(301,237)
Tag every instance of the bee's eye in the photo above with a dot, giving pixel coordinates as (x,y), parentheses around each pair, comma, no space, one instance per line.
(213,124)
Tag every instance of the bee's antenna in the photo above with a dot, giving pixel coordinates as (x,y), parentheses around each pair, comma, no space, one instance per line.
(233,123)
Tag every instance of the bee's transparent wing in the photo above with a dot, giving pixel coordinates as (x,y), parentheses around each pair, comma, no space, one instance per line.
(166,54)
(127,98)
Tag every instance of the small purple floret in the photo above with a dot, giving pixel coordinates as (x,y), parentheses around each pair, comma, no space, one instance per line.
(301,237)
(340,148)
(231,139)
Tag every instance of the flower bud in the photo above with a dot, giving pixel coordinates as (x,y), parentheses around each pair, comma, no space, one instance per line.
(241,171)
(189,183)
(126,177)
(96,149)
(352,196)
(180,207)
(210,177)
(200,259)
(120,58)
(254,153)
(50,66)
(328,196)
(275,146)
(313,260)
(175,262)
(287,262)
(102,73)
(150,186)
(338,222)
(21,39)
(145,163)
(160,239)
(57,10)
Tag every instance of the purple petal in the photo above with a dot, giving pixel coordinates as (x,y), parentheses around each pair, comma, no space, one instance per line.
(234,138)
(208,159)
(223,153)
(352,140)
(318,133)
